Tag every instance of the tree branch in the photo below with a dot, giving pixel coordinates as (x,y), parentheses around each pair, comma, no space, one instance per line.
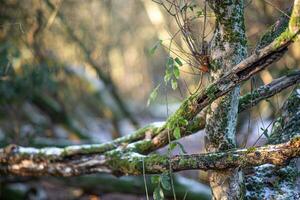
(245,102)
(50,161)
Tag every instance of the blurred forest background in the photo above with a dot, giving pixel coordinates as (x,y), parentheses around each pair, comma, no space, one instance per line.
(74,72)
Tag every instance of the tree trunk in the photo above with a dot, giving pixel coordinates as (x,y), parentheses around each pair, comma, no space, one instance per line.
(227,48)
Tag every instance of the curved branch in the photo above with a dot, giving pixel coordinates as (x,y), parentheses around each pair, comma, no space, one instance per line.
(198,123)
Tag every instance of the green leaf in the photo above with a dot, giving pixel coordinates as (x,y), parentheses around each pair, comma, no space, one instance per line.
(153,95)
(165,181)
(176,72)
(168,75)
(176,133)
(174,84)
(178,61)
(155,179)
(170,62)
(158,194)
(155,46)
(182,121)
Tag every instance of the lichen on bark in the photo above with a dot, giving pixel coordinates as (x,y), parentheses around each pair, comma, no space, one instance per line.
(227,48)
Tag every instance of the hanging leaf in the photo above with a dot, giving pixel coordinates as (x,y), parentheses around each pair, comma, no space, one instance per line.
(168,75)
(174,84)
(155,179)
(153,95)
(176,72)
(165,181)
(178,61)
(155,46)
(182,121)
(158,194)
(170,62)
(176,133)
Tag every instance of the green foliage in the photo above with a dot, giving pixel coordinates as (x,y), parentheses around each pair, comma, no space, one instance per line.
(182,122)
(178,61)
(172,71)
(161,182)
(154,47)
(158,194)
(176,133)
(174,84)
(165,181)
(153,95)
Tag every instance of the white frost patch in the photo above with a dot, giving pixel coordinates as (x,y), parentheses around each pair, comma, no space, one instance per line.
(51,151)
(68,170)
(134,154)
(75,147)
(158,124)
(298,93)
(28,150)
(94,162)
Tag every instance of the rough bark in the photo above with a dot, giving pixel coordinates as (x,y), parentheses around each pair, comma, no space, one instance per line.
(228,48)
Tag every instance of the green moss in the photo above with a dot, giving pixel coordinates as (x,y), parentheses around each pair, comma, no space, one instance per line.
(294,23)
(132,163)
(120,163)
(211,90)
(188,162)
(143,146)
(251,150)
(273,32)
(229,24)
(248,98)
(285,36)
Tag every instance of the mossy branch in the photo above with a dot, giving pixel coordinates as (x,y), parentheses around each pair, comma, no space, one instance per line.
(50,161)
(245,102)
